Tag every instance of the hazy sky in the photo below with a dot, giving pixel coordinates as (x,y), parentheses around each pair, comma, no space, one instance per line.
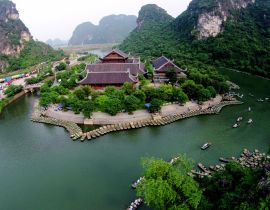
(58,18)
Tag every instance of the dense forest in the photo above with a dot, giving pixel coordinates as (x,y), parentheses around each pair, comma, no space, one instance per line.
(243,44)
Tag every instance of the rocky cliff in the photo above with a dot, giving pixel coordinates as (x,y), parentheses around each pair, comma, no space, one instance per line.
(111,29)
(225,33)
(209,16)
(13,33)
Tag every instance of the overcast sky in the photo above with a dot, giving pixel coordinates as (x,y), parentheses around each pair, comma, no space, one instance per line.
(58,18)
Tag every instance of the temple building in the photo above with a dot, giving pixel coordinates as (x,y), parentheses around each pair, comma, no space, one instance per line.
(161,66)
(115,68)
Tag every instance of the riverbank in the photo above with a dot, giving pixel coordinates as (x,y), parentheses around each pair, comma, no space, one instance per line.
(101,118)
(243,72)
(170,114)
(7,101)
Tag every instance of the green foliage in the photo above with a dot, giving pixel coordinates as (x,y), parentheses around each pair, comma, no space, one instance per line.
(140,95)
(3,103)
(182,98)
(203,95)
(168,187)
(88,108)
(128,88)
(88,58)
(13,90)
(171,75)
(33,53)
(62,66)
(155,105)
(113,106)
(131,103)
(235,188)
(190,88)
(44,72)
(243,45)
(212,91)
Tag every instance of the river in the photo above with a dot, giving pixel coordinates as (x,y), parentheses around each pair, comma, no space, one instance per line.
(42,168)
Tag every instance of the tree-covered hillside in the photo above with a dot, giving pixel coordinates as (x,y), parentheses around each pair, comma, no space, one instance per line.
(33,53)
(243,43)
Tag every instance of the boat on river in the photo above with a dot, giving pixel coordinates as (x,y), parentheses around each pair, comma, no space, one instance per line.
(206,146)
(266,99)
(239,119)
(135,184)
(135,204)
(249,109)
(260,100)
(224,160)
(250,121)
(236,125)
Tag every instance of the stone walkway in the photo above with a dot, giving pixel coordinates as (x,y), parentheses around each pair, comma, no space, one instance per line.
(100,118)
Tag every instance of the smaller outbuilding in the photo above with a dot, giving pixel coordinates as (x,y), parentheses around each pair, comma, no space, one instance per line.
(161,66)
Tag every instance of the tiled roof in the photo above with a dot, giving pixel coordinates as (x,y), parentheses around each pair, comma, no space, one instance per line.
(119,52)
(107,78)
(134,68)
(160,62)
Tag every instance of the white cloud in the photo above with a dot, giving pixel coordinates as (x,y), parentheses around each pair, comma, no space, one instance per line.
(57,18)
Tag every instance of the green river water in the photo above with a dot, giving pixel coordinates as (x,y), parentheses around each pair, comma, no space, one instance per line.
(42,168)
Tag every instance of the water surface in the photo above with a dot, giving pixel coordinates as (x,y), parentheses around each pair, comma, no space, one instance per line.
(42,168)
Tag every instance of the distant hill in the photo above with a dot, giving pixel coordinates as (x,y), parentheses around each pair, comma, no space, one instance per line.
(56,42)
(17,47)
(111,29)
(223,33)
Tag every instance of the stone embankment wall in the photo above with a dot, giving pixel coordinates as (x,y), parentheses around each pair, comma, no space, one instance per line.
(157,120)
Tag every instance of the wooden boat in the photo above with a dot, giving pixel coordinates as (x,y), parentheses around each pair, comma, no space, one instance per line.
(203,168)
(239,119)
(206,146)
(174,160)
(236,125)
(135,184)
(135,204)
(224,160)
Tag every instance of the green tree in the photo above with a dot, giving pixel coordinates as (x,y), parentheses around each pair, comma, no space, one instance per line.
(13,89)
(101,102)
(113,106)
(155,105)
(168,187)
(62,66)
(88,108)
(212,91)
(140,95)
(132,103)
(128,88)
(171,75)
(182,98)
(204,94)
(190,88)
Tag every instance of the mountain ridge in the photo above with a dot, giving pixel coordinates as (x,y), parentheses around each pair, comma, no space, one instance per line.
(241,41)
(111,29)
(17,48)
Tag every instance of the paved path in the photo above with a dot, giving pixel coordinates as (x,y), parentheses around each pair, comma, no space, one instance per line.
(100,118)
